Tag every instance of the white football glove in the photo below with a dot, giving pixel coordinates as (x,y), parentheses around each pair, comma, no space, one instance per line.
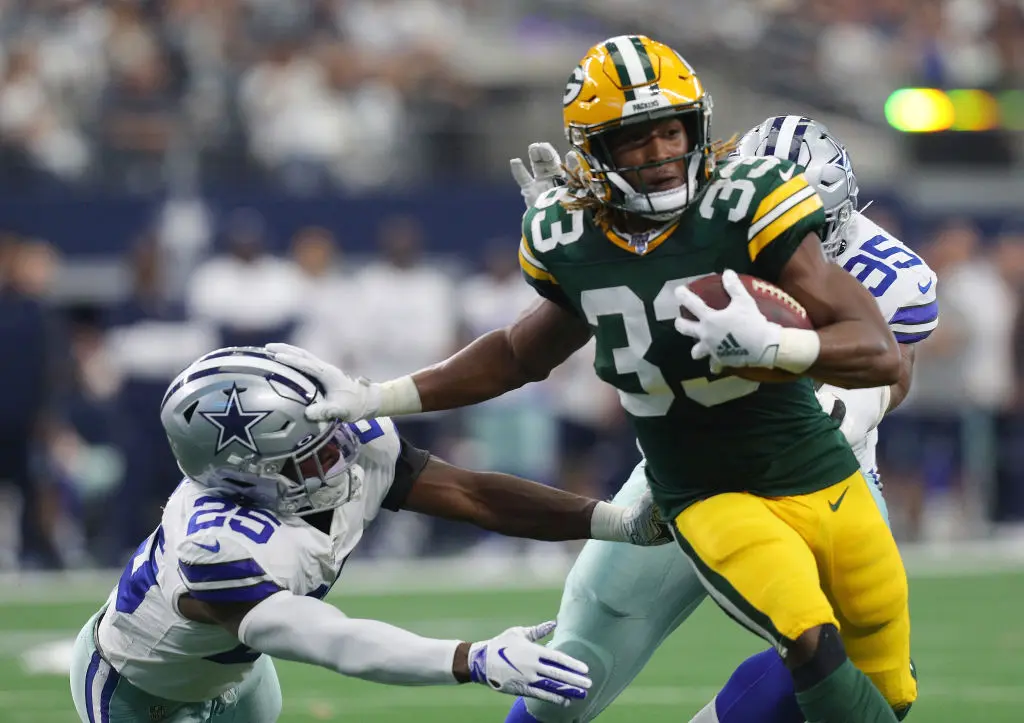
(547,173)
(737,336)
(345,398)
(858,411)
(643,524)
(515,664)
(835,407)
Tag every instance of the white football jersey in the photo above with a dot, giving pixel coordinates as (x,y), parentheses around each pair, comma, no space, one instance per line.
(904,287)
(216,551)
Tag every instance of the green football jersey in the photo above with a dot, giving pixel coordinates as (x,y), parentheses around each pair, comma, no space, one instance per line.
(702,434)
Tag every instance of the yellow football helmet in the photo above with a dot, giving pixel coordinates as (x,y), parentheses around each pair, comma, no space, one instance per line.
(633,79)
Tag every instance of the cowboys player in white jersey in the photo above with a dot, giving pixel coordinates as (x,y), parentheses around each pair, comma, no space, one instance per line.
(620,603)
(258,532)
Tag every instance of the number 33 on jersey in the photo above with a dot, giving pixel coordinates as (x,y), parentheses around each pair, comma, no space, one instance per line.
(753,216)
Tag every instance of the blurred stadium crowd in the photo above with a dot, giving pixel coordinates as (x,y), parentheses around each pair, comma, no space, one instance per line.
(132,97)
(366,93)
(850,55)
(102,92)
(81,437)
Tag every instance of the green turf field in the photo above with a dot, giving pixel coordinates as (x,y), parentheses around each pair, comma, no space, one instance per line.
(968,645)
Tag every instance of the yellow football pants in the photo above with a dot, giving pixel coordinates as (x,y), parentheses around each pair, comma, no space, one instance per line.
(781,566)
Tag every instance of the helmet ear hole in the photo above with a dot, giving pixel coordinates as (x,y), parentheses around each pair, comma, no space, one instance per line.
(190,410)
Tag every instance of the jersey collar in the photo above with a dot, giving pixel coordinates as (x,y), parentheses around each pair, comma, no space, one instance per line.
(640,244)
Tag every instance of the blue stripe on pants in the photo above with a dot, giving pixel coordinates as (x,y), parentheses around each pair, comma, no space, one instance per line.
(107,694)
(90,676)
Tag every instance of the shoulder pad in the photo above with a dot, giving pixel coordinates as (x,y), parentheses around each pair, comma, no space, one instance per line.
(769,169)
(224,556)
(771,199)
(382,447)
(379,437)
(552,197)
(549,224)
(901,282)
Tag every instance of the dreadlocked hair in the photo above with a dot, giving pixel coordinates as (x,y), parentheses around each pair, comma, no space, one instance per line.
(583,198)
(720,150)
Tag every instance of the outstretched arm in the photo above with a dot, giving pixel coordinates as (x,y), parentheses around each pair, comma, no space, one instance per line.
(496,363)
(502,360)
(520,508)
(306,630)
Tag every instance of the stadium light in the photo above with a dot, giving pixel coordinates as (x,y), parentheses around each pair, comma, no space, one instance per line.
(929,110)
(919,110)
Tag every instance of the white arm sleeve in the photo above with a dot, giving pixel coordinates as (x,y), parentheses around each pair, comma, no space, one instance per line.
(306,630)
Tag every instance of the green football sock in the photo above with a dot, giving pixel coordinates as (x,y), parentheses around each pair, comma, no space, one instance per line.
(845,696)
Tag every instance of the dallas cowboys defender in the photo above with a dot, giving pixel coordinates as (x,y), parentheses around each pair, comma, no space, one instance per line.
(619,604)
(257,534)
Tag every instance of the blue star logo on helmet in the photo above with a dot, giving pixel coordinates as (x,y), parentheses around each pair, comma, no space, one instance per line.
(234,424)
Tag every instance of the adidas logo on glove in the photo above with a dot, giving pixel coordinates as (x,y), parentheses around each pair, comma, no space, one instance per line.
(729,347)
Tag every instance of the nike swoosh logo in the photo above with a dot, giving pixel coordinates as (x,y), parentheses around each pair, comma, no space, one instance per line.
(835,505)
(788,174)
(925,288)
(209,548)
(501,654)
(561,689)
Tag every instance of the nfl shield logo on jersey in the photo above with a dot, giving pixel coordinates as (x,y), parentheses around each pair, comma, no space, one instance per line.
(158,713)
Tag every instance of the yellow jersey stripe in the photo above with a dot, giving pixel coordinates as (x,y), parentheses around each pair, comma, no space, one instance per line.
(784,222)
(533,271)
(781,208)
(525,241)
(524,249)
(779,195)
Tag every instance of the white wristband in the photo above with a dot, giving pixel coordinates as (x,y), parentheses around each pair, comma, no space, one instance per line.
(607,523)
(798,350)
(399,396)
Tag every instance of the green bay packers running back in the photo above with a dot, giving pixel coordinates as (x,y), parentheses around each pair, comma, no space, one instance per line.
(764,494)
(620,603)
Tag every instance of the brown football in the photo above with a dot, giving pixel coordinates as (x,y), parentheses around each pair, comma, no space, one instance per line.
(774,303)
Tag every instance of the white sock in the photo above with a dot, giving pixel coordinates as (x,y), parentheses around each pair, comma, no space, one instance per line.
(707,714)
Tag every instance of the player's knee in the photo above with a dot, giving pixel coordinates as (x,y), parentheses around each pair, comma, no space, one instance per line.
(898,687)
(815,655)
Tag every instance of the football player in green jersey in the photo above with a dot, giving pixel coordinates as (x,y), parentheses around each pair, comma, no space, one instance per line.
(764,494)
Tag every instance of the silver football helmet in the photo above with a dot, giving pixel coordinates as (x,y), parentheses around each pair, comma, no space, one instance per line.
(235,420)
(826,164)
